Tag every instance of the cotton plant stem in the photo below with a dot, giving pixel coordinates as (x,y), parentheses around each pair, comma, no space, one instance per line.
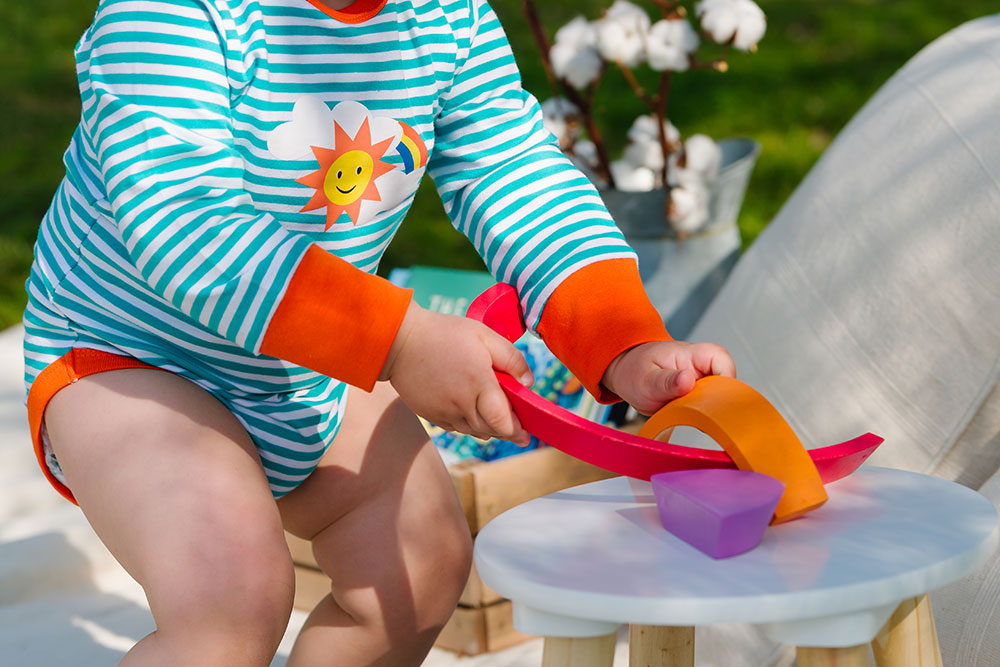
(719,65)
(670,9)
(595,133)
(662,98)
(584,104)
(637,88)
(542,41)
(586,108)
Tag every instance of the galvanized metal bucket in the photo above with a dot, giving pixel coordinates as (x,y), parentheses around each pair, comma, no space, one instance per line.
(683,278)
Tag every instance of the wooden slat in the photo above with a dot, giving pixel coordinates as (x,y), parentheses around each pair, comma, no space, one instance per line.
(502,484)
(464,479)
(311,586)
(301,550)
(500,632)
(660,646)
(477,593)
(850,656)
(480,630)
(579,651)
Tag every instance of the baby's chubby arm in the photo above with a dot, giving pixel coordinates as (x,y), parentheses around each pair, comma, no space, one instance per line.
(442,366)
(649,375)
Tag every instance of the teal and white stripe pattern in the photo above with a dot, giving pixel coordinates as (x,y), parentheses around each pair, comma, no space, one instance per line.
(176,229)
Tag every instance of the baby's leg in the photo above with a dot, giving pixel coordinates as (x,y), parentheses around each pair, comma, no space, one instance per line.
(387,527)
(172,484)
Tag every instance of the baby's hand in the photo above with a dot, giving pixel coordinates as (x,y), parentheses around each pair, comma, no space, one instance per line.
(442,367)
(649,375)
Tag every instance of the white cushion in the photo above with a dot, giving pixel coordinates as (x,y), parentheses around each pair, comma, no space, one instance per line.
(967,613)
(872,301)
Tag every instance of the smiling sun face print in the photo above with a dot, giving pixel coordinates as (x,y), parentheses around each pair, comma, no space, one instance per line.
(348,177)
(347,173)
(350,147)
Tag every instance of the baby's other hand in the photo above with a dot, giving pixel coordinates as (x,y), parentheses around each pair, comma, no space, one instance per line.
(650,375)
(442,367)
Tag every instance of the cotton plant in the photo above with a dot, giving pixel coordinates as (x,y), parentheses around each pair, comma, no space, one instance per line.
(574,55)
(737,22)
(626,38)
(621,34)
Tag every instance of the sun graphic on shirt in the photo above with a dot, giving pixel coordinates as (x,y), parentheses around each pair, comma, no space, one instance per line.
(347,174)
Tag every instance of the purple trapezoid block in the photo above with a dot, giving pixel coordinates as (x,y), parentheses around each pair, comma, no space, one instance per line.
(722,512)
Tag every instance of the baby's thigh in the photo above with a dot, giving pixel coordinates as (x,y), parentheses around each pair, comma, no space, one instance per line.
(167,477)
(381,498)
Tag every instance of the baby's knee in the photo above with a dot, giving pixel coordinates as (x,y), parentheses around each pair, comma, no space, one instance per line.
(414,574)
(236,598)
(259,578)
(455,553)
(440,570)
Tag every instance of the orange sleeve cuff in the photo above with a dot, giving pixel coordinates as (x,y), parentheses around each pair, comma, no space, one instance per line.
(596,314)
(336,319)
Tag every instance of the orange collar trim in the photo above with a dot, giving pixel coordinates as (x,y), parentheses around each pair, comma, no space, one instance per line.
(356,12)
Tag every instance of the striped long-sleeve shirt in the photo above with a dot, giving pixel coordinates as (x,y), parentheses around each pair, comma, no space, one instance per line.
(241,165)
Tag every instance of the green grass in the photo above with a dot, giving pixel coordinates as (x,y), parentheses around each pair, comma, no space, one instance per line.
(818,63)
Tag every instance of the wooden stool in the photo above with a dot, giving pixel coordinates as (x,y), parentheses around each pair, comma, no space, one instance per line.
(579,563)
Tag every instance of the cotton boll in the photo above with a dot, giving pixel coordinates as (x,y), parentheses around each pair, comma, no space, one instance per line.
(630,178)
(617,44)
(688,208)
(645,153)
(702,155)
(579,32)
(562,118)
(718,18)
(740,22)
(579,66)
(682,177)
(586,152)
(621,34)
(560,56)
(574,55)
(584,157)
(628,13)
(753,24)
(644,129)
(670,43)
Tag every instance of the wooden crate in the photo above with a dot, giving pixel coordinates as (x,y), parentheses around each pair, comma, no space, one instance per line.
(487,626)
(482,622)
(488,488)
(475,630)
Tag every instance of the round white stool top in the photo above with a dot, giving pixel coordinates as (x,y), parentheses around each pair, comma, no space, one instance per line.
(599,552)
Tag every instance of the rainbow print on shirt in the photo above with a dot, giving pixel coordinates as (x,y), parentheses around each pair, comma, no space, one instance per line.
(412,149)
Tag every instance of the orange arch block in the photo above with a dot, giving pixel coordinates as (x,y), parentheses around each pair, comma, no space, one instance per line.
(752,433)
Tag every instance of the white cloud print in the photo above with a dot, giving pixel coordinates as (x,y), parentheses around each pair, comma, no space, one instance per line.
(349,144)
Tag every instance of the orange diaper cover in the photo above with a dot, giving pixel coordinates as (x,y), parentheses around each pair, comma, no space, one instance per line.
(64,371)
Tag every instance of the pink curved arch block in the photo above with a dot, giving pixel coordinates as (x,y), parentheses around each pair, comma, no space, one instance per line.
(613,450)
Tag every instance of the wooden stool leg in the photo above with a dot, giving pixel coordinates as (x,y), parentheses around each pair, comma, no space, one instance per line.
(579,651)
(850,656)
(657,646)
(909,637)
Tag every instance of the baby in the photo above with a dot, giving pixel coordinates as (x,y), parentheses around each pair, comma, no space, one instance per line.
(203,295)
